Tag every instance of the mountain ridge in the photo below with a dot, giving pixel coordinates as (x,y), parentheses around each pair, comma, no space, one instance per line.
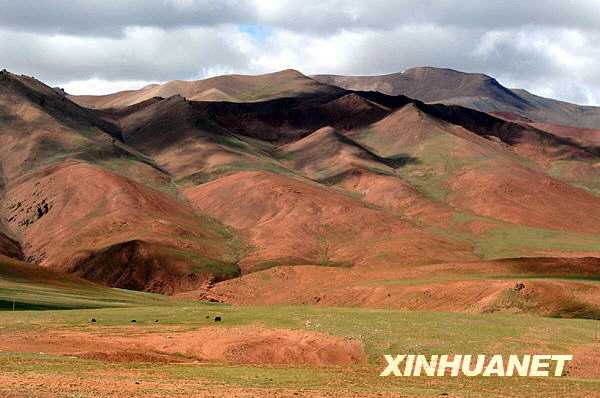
(189,192)
(473,90)
(236,88)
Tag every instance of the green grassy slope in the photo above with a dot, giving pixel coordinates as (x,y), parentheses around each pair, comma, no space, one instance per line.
(26,287)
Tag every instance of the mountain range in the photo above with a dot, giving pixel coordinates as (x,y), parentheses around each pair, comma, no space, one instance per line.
(205,187)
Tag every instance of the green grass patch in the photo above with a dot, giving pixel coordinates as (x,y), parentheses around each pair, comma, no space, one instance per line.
(381,331)
(26,287)
(581,174)
(206,266)
(202,177)
(515,241)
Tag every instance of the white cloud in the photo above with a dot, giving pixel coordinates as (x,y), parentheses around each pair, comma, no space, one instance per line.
(97,86)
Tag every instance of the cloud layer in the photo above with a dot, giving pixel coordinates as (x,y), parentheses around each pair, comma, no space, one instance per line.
(551,48)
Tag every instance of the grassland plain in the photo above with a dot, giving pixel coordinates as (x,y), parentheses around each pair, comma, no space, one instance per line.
(36,374)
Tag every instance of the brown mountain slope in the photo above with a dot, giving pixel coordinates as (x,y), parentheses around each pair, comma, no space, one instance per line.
(9,247)
(288,221)
(285,120)
(327,154)
(426,84)
(527,141)
(420,148)
(437,146)
(580,171)
(182,139)
(586,137)
(236,88)
(561,157)
(71,215)
(472,90)
(197,141)
(40,126)
(398,196)
(548,110)
(78,200)
(481,175)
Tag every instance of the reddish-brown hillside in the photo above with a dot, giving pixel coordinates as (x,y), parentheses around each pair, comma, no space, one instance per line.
(79,200)
(290,221)
(173,191)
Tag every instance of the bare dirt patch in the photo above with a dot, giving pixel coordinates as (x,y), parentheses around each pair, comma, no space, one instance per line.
(251,344)
(586,362)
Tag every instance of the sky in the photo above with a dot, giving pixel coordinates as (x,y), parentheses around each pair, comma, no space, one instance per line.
(551,48)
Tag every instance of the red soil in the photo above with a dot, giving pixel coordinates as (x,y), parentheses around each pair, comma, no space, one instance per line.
(392,193)
(327,153)
(284,216)
(80,218)
(586,137)
(520,195)
(9,247)
(401,171)
(470,287)
(586,362)
(244,344)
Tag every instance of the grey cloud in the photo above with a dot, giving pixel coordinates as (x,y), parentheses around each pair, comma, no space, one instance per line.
(332,15)
(100,17)
(551,47)
(110,18)
(142,54)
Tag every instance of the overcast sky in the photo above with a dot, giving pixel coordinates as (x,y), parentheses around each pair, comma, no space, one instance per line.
(551,48)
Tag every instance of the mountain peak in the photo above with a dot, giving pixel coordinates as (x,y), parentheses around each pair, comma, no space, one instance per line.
(289,73)
(429,72)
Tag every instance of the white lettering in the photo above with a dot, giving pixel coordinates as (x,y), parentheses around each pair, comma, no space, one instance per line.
(466,367)
(495,366)
(453,365)
(422,364)
(560,363)
(392,365)
(522,367)
(537,364)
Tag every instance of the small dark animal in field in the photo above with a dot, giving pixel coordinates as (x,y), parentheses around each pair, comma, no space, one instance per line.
(208,316)
(156,320)
(217,319)
(93,320)
(519,286)
(133,321)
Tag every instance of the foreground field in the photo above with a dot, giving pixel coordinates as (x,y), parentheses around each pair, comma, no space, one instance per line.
(61,353)
(71,338)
